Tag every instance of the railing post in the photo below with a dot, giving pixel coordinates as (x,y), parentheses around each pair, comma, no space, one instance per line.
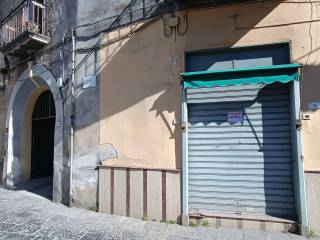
(43,24)
(25,16)
(30,11)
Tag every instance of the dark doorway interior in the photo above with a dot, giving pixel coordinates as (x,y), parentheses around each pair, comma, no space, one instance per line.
(43,126)
(42,147)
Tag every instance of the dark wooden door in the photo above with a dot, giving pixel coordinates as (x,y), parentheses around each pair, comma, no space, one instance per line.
(43,127)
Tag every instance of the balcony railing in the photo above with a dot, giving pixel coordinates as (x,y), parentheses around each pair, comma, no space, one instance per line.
(28,18)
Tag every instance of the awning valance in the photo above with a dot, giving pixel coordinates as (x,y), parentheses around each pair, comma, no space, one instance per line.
(267,75)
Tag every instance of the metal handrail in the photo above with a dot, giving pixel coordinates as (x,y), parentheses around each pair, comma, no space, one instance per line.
(28,17)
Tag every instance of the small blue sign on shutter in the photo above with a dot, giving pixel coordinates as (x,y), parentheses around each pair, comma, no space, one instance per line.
(235,117)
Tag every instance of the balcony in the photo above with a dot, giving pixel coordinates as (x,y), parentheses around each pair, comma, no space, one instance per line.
(24,31)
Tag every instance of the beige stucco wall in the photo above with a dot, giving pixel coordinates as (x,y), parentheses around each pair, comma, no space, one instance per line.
(140,99)
(140,94)
(313,195)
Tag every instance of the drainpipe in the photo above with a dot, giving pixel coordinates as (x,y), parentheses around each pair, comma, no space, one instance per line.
(73,37)
(62,59)
(185,184)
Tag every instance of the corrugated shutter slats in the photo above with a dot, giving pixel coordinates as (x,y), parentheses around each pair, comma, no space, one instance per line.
(243,167)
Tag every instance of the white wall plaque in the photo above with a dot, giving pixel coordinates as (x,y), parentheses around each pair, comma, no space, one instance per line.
(89,81)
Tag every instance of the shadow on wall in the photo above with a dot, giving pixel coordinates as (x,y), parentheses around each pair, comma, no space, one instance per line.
(137,71)
(277,149)
(310,86)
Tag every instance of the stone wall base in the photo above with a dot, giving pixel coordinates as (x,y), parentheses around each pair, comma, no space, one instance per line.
(263,223)
(150,194)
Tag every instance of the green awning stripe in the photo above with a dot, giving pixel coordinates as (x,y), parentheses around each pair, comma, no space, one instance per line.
(267,75)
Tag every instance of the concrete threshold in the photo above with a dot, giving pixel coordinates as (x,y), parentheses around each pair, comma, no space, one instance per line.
(247,221)
(251,217)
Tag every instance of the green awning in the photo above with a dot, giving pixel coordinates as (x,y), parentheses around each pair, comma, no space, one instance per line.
(267,75)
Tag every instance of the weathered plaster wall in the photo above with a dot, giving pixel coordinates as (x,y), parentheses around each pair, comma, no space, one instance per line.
(313,196)
(4,102)
(6,7)
(57,23)
(140,94)
(62,15)
(140,97)
(88,149)
(311,138)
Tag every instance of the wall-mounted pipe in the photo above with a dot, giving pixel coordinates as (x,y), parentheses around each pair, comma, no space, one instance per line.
(73,38)
(184,176)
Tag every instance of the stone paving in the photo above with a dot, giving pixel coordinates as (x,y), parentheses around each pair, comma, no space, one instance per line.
(27,216)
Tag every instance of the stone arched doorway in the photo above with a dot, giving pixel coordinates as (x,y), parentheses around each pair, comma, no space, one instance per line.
(31,86)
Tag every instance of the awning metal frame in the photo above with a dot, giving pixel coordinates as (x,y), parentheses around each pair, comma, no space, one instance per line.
(265,75)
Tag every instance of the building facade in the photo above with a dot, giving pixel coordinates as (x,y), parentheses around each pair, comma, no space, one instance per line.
(167,110)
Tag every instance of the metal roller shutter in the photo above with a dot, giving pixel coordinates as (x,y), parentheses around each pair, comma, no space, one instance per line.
(242,167)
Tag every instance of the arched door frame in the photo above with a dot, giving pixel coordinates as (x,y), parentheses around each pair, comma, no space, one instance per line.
(23,90)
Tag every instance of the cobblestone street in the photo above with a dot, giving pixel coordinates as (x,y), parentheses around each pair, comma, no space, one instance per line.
(27,216)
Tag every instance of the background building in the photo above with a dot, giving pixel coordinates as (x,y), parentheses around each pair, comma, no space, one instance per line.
(99,83)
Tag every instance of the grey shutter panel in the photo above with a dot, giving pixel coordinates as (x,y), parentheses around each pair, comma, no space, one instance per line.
(244,167)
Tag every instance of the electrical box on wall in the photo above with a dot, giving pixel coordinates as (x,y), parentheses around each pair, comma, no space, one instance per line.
(306,116)
(60,82)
